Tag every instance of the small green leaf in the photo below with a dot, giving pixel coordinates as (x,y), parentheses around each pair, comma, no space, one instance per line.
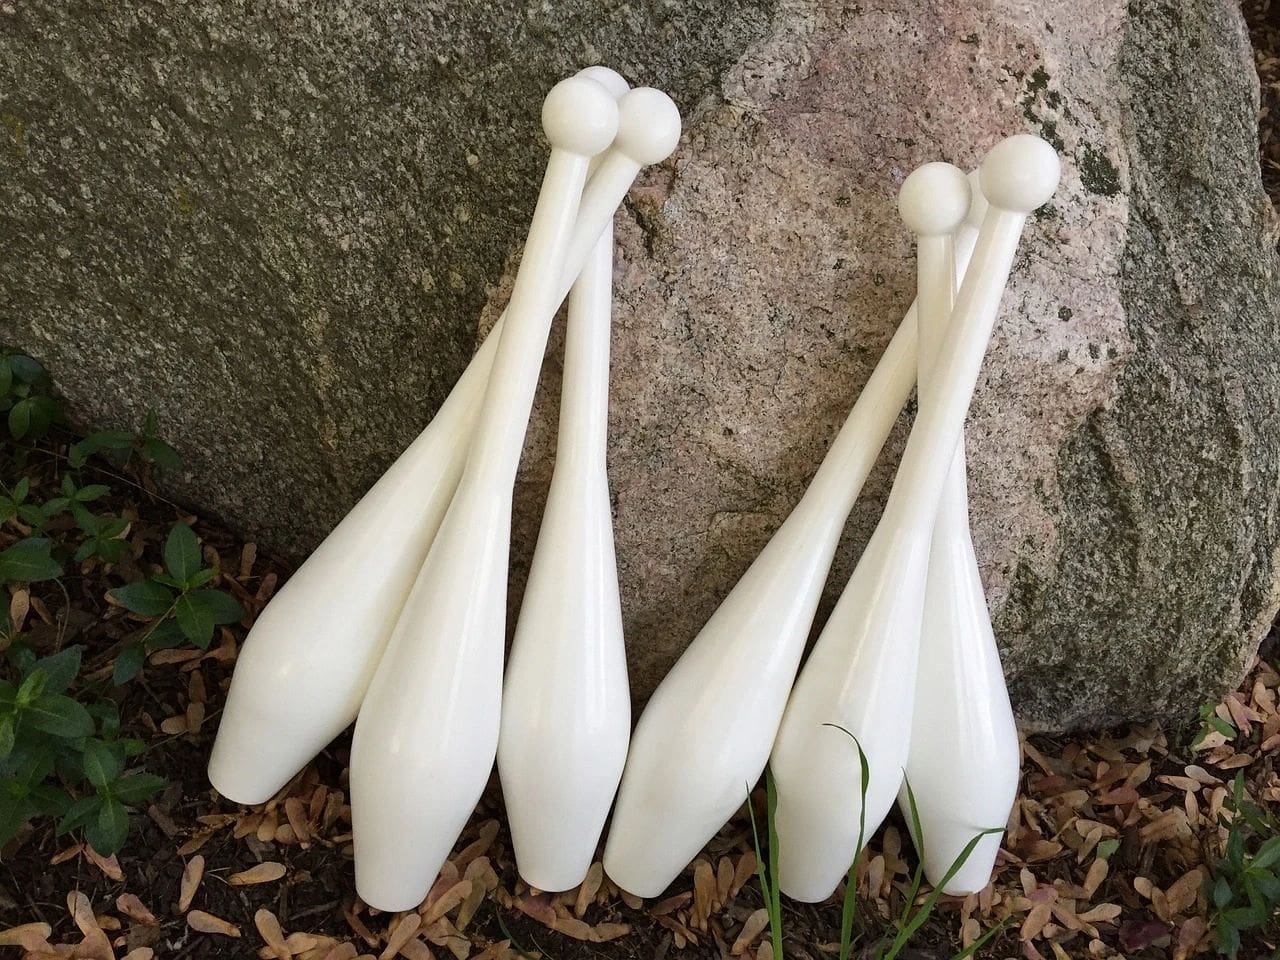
(59,715)
(108,440)
(25,370)
(21,489)
(51,508)
(147,597)
(31,688)
(221,607)
(164,635)
(108,831)
(128,663)
(182,552)
(1221,893)
(68,486)
(1107,847)
(200,578)
(93,491)
(1267,854)
(195,621)
(103,762)
(79,813)
(161,454)
(32,515)
(28,561)
(59,668)
(6,736)
(138,787)
(20,418)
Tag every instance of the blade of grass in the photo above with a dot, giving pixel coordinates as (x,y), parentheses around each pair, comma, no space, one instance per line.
(917,834)
(771,809)
(849,908)
(515,944)
(771,905)
(983,940)
(914,920)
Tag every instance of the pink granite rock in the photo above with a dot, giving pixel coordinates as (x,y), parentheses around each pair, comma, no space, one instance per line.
(1122,441)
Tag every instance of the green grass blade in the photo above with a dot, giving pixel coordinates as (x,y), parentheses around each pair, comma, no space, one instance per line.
(771,808)
(771,903)
(915,920)
(983,940)
(849,909)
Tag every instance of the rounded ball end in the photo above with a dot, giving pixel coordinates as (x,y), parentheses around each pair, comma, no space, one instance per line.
(1020,173)
(611,80)
(934,199)
(978,205)
(580,116)
(648,126)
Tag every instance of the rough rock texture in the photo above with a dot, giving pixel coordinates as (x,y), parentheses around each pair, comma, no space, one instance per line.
(277,231)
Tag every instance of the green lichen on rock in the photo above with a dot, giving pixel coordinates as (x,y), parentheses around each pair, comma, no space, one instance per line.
(1097,173)
(277,224)
(1168,566)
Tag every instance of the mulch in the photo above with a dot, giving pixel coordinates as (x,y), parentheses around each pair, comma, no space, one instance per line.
(1106,855)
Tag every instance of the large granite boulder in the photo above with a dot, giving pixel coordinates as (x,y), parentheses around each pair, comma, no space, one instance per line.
(277,229)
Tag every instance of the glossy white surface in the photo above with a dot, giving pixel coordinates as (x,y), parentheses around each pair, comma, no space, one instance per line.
(566,706)
(704,737)
(861,674)
(306,664)
(427,731)
(963,759)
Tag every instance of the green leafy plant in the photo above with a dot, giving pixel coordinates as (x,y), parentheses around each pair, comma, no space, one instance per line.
(29,561)
(121,446)
(47,736)
(1244,885)
(177,601)
(61,750)
(26,397)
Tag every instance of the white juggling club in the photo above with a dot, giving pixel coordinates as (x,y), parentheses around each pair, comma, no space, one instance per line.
(566,706)
(963,759)
(861,674)
(705,735)
(307,662)
(427,731)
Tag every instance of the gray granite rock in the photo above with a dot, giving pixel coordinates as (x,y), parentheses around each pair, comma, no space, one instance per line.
(278,227)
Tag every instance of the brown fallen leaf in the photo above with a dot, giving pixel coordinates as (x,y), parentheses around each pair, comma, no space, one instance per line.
(588,889)
(192,873)
(29,936)
(604,932)
(447,901)
(400,934)
(96,946)
(267,872)
(135,909)
(62,856)
(203,922)
(108,865)
(269,929)
(752,928)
